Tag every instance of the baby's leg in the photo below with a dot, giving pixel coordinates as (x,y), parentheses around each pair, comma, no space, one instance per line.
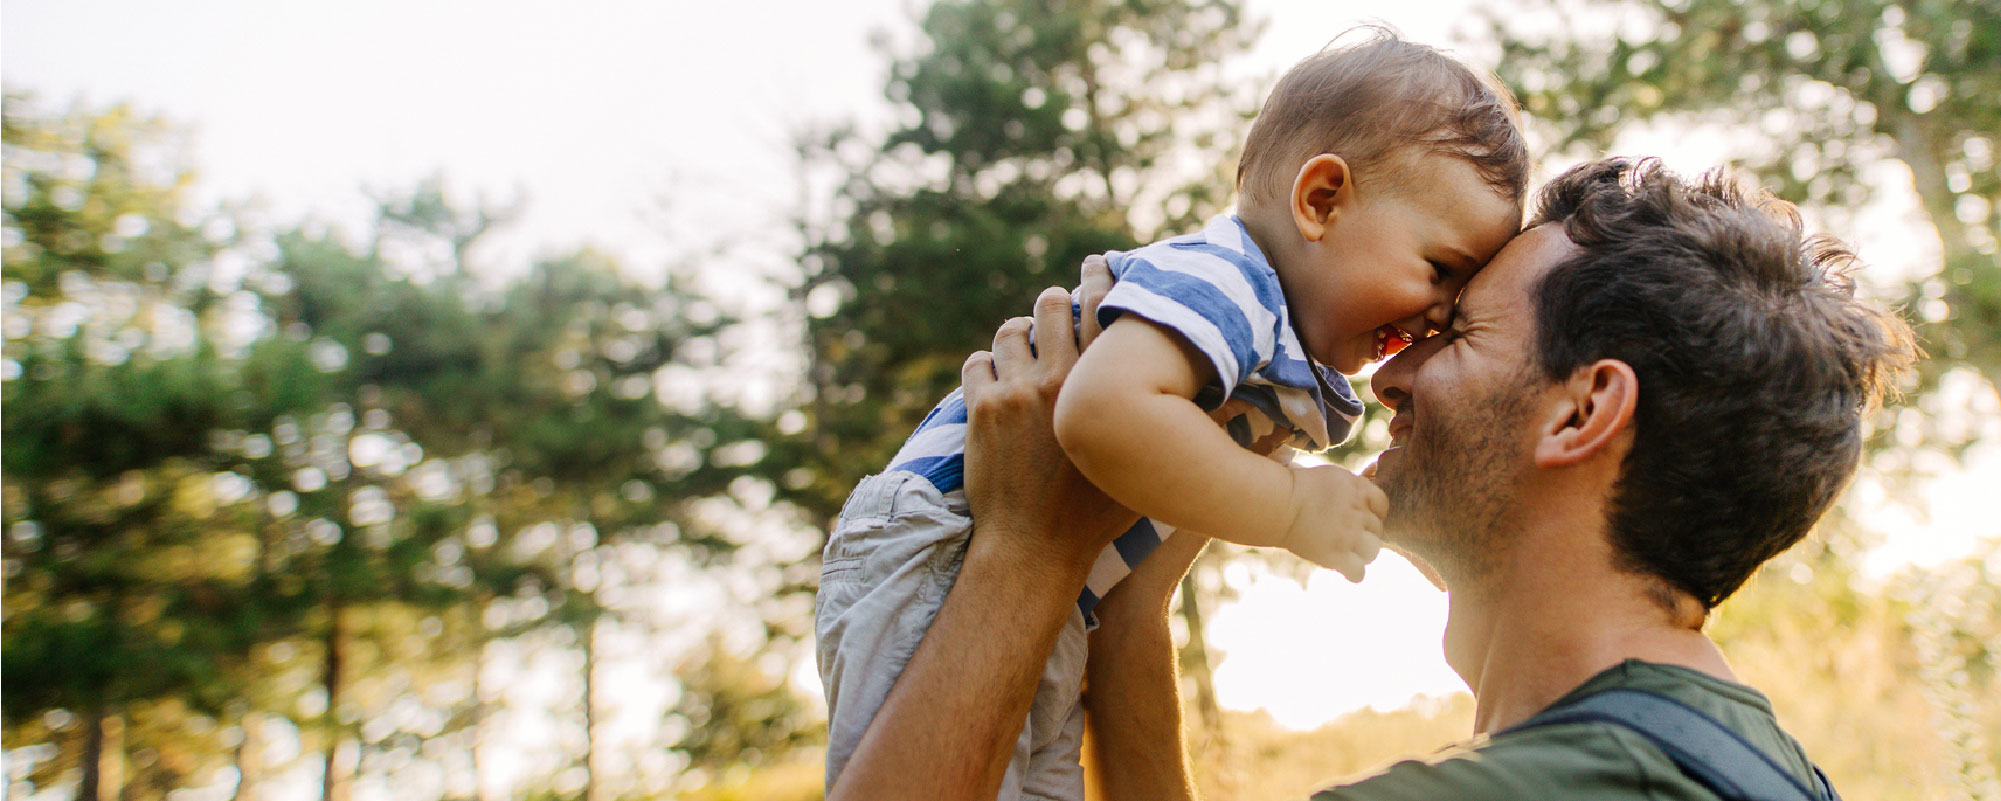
(888,564)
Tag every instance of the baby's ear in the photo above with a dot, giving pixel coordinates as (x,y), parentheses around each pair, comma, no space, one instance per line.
(1320,192)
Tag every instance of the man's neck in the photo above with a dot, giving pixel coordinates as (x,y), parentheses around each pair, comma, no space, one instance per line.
(1552,613)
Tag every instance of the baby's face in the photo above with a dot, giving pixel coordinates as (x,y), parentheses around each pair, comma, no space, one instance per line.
(1388,272)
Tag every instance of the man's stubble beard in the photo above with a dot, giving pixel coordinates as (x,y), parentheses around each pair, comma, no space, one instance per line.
(1453,487)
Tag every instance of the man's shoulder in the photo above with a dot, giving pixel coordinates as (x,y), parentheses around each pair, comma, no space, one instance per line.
(1588,759)
(1591,760)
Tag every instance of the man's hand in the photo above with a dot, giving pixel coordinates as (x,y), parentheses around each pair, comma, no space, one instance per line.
(1337,519)
(1017,478)
(948,727)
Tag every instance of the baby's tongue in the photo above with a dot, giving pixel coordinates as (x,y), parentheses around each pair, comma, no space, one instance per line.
(1393,340)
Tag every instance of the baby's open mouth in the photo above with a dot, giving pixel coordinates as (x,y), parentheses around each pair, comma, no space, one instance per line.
(1389,340)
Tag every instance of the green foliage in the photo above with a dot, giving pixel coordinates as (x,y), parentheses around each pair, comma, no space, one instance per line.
(1034,134)
(1822,90)
(227,492)
(111,387)
(741,713)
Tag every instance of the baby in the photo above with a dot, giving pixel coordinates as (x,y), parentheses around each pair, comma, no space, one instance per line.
(1378,178)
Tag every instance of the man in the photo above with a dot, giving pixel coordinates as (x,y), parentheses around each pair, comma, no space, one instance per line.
(1652,391)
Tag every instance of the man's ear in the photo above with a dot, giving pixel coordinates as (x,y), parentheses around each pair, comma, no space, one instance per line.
(1594,410)
(1322,190)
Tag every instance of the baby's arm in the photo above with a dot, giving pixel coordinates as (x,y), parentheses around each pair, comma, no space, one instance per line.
(1127,418)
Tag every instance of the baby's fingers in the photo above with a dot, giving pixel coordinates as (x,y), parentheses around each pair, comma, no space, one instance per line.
(1350,566)
(1368,546)
(1378,503)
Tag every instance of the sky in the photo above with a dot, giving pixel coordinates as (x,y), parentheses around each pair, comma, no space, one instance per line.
(658,129)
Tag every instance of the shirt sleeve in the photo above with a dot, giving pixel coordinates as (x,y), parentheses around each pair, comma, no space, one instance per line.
(1222,303)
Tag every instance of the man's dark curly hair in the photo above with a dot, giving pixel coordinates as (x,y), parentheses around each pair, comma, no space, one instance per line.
(1756,363)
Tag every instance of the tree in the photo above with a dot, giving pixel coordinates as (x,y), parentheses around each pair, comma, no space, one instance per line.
(1036,134)
(540,406)
(312,491)
(1831,88)
(120,636)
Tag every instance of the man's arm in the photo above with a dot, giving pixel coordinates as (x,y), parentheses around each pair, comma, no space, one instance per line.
(1131,686)
(948,727)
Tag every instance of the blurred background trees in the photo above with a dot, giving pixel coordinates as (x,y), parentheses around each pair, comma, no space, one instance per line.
(271,485)
(283,501)
(1825,94)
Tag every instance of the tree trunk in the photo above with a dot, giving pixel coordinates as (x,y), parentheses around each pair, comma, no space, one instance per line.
(1210,744)
(477,722)
(249,758)
(590,709)
(334,781)
(103,759)
(1195,661)
(1973,298)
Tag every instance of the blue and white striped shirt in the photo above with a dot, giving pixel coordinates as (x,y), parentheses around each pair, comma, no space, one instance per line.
(1219,292)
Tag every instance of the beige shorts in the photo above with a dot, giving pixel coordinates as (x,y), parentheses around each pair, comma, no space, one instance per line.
(892,557)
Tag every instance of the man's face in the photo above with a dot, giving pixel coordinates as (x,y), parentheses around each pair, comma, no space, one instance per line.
(1462,434)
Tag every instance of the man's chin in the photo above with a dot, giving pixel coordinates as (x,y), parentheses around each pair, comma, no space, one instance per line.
(1374,470)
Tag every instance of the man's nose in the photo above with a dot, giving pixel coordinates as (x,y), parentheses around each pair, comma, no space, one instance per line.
(1392,381)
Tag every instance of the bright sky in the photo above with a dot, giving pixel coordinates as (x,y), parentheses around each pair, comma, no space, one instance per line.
(650,129)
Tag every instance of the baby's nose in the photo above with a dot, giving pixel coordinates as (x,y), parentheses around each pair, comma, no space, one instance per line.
(1439,317)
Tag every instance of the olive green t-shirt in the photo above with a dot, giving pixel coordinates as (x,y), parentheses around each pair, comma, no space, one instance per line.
(1586,760)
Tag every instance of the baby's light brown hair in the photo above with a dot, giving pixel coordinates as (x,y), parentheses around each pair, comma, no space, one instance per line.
(1379,104)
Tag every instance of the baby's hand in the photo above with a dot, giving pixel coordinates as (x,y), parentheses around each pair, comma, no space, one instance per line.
(1337,519)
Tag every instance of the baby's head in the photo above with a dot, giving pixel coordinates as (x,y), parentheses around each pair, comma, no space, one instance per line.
(1379,177)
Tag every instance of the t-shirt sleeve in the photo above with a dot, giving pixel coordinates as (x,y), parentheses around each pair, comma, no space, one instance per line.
(1219,302)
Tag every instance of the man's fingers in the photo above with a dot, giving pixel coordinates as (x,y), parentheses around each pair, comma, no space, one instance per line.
(1052,319)
(1011,345)
(1091,290)
(977,374)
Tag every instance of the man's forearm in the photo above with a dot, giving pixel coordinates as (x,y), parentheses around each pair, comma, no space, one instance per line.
(1132,689)
(948,728)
